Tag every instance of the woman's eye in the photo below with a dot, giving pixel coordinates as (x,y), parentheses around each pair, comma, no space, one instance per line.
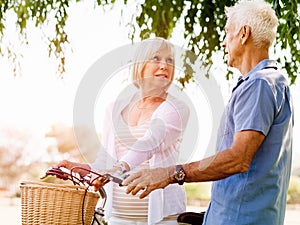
(170,61)
(155,59)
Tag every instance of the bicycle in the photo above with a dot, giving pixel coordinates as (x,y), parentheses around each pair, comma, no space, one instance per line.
(87,182)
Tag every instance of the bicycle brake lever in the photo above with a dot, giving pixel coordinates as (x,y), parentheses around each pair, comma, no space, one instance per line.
(117,179)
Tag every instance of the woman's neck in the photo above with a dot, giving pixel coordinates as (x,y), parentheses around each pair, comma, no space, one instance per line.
(153,96)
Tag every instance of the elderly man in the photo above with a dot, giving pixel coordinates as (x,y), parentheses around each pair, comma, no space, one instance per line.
(252,164)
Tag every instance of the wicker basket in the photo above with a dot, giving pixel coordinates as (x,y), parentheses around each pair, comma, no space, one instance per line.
(46,203)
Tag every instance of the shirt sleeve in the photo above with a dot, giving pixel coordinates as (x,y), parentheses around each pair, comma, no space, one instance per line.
(166,127)
(255,107)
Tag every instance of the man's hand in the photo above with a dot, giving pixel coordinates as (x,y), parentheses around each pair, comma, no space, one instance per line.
(148,180)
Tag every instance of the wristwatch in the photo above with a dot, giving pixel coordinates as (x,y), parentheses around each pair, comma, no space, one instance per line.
(179,174)
(121,166)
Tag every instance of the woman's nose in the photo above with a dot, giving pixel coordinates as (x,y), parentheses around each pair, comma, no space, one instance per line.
(162,64)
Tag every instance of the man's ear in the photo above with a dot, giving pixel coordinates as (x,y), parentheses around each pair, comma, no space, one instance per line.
(245,33)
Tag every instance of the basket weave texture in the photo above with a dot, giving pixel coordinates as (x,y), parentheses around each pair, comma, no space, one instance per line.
(47,203)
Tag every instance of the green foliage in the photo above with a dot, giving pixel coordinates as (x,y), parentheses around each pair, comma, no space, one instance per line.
(40,12)
(159,15)
(288,37)
(204,21)
(203,26)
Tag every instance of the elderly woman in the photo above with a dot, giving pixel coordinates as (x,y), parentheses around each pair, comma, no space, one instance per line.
(144,131)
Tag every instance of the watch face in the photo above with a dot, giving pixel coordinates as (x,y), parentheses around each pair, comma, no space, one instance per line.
(179,175)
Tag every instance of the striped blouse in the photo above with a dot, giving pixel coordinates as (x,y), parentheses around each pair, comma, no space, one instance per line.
(128,206)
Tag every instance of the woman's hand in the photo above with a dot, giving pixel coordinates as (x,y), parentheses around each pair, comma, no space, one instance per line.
(69,165)
(100,181)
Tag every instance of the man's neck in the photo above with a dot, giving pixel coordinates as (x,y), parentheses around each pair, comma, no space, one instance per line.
(252,59)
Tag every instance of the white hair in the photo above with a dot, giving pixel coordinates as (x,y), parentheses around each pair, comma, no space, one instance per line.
(144,52)
(259,16)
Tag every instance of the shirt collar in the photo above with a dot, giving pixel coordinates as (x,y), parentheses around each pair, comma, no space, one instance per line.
(264,64)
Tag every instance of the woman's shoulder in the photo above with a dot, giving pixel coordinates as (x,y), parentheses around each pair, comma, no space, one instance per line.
(176,102)
(173,104)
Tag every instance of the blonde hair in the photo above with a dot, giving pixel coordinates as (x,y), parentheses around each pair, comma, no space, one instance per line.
(258,15)
(145,50)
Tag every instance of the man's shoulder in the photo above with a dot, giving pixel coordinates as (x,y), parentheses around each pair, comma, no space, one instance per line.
(270,73)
